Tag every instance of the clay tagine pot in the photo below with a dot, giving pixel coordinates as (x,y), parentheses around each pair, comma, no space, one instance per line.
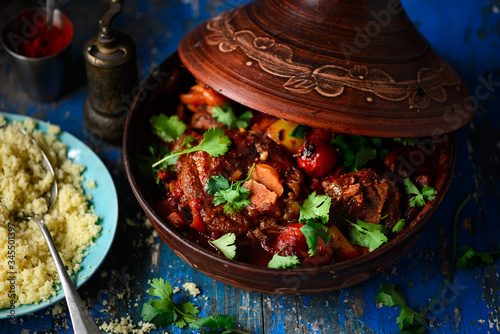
(357,67)
(349,67)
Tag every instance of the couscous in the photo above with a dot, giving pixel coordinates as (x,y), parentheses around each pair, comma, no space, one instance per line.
(28,274)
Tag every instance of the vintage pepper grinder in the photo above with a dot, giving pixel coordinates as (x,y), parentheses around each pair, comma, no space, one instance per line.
(110,59)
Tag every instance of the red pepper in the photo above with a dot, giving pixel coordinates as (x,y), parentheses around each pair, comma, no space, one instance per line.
(197,223)
(162,175)
(176,220)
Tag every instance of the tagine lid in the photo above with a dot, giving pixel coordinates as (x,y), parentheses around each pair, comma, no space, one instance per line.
(357,67)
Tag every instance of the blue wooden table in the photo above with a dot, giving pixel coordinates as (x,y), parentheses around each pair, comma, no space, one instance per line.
(465,32)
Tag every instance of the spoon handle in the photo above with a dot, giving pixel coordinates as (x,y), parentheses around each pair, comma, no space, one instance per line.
(80,316)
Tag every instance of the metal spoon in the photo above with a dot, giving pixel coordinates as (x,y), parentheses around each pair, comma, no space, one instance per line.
(80,316)
(49,7)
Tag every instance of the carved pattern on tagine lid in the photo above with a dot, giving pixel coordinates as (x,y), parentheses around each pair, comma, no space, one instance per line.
(330,80)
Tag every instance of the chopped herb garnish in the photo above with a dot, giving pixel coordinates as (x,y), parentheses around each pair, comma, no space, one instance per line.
(214,142)
(300,131)
(421,197)
(472,258)
(314,208)
(234,197)
(406,141)
(314,231)
(357,150)
(364,156)
(279,261)
(388,295)
(226,245)
(410,321)
(164,311)
(399,226)
(225,115)
(167,128)
(154,153)
(367,234)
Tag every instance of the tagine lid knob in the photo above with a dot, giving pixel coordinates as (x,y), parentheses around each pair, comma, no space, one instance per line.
(350,67)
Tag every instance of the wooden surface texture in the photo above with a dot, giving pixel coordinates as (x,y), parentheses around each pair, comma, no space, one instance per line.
(466,33)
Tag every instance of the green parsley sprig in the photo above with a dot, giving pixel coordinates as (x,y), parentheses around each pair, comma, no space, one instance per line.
(315,213)
(226,245)
(421,197)
(357,150)
(406,141)
(234,196)
(367,234)
(155,151)
(408,320)
(214,142)
(388,295)
(279,261)
(399,226)
(164,311)
(472,258)
(167,128)
(225,115)
(300,131)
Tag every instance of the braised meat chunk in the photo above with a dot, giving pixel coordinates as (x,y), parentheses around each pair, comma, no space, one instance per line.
(365,195)
(273,185)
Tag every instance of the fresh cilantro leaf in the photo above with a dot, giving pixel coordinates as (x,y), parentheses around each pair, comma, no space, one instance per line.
(216,183)
(155,151)
(405,141)
(315,207)
(388,295)
(187,312)
(300,131)
(226,245)
(225,115)
(356,150)
(166,318)
(486,257)
(364,156)
(167,128)
(472,258)
(399,226)
(349,155)
(234,197)
(279,261)
(161,288)
(367,234)
(149,312)
(214,142)
(406,317)
(163,305)
(421,197)
(216,321)
(312,231)
(165,312)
